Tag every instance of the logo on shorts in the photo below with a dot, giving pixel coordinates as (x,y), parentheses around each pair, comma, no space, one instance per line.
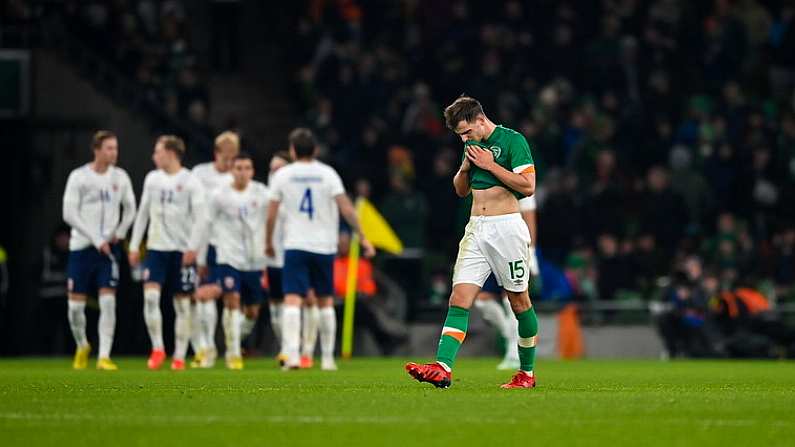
(229,282)
(146,274)
(70,284)
(179,188)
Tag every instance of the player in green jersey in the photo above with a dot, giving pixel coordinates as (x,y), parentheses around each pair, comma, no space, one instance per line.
(497,169)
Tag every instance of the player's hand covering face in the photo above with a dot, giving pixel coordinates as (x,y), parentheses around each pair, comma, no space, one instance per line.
(482,158)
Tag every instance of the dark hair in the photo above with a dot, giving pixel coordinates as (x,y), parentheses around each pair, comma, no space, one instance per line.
(174,144)
(303,141)
(99,137)
(243,155)
(464,108)
(284,155)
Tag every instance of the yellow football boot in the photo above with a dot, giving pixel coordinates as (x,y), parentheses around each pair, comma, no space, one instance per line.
(234,363)
(198,359)
(105,364)
(81,357)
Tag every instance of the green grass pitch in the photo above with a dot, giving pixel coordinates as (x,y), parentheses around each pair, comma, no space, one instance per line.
(372,402)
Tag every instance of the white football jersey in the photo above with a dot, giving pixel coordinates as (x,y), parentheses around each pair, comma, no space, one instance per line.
(527,203)
(307,192)
(278,240)
(91,204)
(238,219)
(211,179)
(170,204)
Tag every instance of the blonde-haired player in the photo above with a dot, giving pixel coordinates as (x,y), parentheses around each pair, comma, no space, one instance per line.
(212,175)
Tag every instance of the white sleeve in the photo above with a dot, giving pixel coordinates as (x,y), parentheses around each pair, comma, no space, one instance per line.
(527,203)
(128,207)
(197,198)
(335,183)
(199,206)
(142,219)
(275,188)
(200,233)
(71,215)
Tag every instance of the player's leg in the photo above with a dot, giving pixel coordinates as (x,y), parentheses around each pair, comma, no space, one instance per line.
(207,313)
(230,319)
(295,282)
(107,280)
(310,319)
(469,274)
(527,329)
(250,317)
(154,277)
(206,295)
(489,303)
(77,285)
(252,296)
(182,330)
(322,281)
(508,255)
(511,359)
(185,279)
(328,333)
(275,304)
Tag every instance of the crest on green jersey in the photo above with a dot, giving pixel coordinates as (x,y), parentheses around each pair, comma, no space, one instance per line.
(496,150)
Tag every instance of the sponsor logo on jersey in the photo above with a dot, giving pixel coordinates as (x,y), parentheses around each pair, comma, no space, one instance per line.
(253,203)
(115,187)
(179,188)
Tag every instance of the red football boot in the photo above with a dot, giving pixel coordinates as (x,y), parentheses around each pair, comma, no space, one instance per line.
(432,373)
(178,365)
(520,380)
(156,359)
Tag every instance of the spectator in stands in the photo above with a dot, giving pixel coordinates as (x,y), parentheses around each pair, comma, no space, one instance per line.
(663,212)
(683,326)
(406,209)
(613,268)
(51,305)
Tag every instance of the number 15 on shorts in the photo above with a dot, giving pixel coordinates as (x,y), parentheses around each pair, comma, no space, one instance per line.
(517,269)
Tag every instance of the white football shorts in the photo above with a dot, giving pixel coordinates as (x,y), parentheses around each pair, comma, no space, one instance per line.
(498,244)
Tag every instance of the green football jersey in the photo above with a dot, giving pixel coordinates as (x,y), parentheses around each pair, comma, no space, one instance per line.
(510,150)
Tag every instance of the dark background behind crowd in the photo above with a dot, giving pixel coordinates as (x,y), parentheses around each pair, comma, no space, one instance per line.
(663,131)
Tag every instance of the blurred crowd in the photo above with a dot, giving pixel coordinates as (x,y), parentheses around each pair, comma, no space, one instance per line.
(148,41)
(661,129)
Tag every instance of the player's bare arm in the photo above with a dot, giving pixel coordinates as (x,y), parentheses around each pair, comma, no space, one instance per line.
(270,226)
(348,212)
(523,182)
(461,179)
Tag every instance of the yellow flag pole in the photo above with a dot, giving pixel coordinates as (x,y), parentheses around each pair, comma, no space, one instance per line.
(350,295)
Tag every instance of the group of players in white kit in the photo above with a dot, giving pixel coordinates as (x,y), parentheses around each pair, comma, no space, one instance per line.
(212,232)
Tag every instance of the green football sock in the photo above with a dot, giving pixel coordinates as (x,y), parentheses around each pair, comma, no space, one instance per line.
(453,334)
(528,329)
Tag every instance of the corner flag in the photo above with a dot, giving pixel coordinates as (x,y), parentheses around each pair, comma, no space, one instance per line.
(377,230)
